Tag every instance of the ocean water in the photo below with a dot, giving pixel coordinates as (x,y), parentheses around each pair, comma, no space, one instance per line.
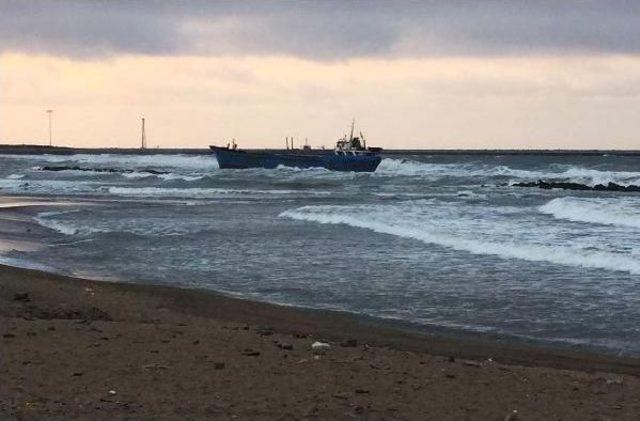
(431,241)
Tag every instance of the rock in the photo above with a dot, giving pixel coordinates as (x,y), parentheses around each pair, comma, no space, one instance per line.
(102,170)
(577,186)
(349,343)
(51,328)
(77,374)
(8,335)
(285,346)
(471,364)
(362,391)
(250,352)
(450,376)
(21,296)
(196,342)
(218,366)
(320,348)
(112,392)
(451,359)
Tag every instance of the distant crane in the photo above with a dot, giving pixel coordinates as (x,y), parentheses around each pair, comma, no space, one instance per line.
(49,112)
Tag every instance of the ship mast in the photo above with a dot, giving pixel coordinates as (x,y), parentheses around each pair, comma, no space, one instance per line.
(353,123)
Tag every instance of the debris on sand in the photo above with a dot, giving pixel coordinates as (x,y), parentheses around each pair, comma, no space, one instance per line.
(320,348)
(512,416)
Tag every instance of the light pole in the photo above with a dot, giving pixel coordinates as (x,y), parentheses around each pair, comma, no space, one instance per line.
(143,144)
(50,137)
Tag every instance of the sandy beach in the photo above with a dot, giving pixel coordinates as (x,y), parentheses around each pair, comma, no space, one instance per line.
(74,348)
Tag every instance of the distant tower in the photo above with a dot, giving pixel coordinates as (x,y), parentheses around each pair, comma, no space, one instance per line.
(50,132)
(144,137)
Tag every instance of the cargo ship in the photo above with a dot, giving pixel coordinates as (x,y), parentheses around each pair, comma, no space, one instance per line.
(350,154)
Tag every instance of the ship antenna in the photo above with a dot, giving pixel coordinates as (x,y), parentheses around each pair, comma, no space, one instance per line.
(353,123)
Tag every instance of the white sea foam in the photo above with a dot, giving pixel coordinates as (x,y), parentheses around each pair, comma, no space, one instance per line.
(48,187)
(15,176)
(133,225)
(624,212)
(202,192)
(170,176)
(46,220)
(194,162)
(173,176)
(404,167)
(593,176)
(471,195)
(388,220)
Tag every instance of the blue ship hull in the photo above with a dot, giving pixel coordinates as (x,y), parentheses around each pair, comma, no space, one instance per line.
(229,158)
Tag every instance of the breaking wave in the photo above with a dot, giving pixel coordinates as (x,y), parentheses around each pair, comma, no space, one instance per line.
(46,220)
(202,192)
(193,162)
(382,219)
(610,211)
(434,171)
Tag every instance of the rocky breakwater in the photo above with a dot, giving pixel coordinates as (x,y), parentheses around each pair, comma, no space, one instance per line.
(548,185)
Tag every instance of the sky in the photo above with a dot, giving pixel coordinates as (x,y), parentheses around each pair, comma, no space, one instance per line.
(414,74)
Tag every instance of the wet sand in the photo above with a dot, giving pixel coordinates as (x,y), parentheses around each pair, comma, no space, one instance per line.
(80,349)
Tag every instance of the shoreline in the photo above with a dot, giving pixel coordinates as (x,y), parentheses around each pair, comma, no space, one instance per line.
(20,231)
(290,319)
(165,352)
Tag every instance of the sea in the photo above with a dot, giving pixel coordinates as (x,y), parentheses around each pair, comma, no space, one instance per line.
(442,243)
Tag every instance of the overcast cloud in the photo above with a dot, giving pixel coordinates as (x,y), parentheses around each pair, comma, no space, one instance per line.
(320,30)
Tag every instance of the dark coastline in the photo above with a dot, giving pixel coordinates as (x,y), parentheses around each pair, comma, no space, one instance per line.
(55,150)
